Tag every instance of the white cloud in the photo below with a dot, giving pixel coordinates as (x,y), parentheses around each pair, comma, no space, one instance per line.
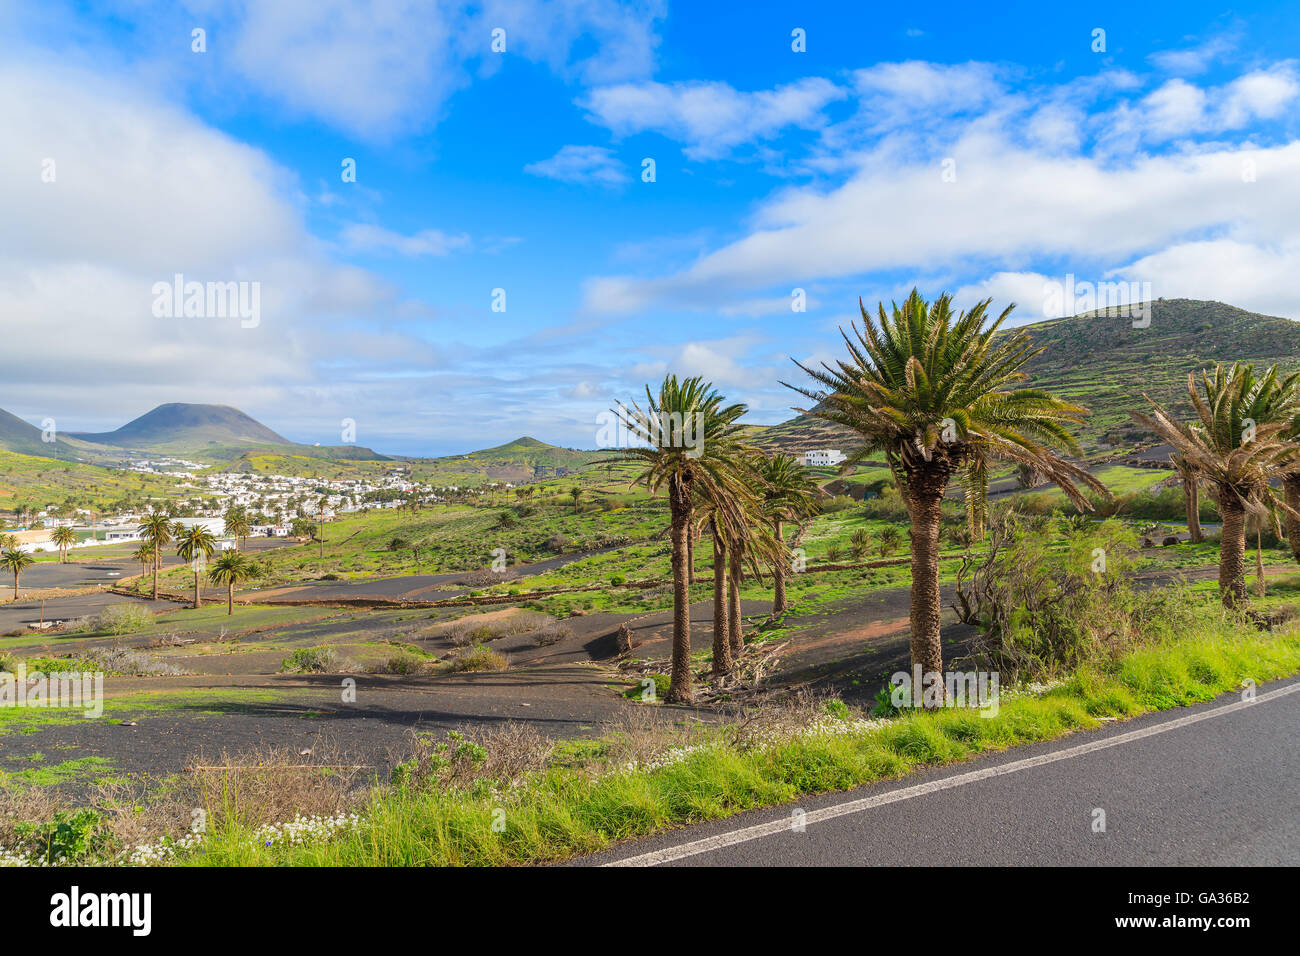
(143,191)
(894,92)
(1179,108)
(581,164)
(364,237)
(1008,205)
(711,119)
(1194,59)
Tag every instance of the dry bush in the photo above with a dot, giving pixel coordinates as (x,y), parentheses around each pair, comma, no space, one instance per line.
(552,633)
(642,735)
(121,660)
(405,663)
(481,628)
(272,785)
(501,755)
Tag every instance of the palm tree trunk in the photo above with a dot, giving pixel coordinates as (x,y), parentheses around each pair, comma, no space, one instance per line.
(679,504)
(15,585)
(735,626)
(1193,500)
(1259,566)
(721,635)
(1232,550)
(927,649)
(690,557)
(230,597)
(778,572)
(197,598)
(1291,488)
(155,573)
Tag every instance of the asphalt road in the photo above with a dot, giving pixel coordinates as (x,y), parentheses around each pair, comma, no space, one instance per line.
(1217,784)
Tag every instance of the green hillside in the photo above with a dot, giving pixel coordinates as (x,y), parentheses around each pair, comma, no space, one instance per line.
(1105,364)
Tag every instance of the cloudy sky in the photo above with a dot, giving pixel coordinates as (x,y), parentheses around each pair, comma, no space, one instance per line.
(955,147)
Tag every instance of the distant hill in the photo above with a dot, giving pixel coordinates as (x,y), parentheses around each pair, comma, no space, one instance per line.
(177,424)
(1102,362)
(24,438)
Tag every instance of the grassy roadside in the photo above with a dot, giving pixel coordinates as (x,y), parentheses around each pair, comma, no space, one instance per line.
(587,796)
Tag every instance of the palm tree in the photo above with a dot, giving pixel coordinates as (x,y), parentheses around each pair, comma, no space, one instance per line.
(196,545)
(934,392)
(575,493)
(1191,497)
(157,531)
(144,555)
(704,514)
(789,493)
(320,513)
(238,524)
(890,538)
(65,538)
(16,562)
(231,569)
(1236,443)
(693,447)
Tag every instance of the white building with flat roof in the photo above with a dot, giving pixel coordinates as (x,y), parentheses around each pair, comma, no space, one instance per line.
(823,457)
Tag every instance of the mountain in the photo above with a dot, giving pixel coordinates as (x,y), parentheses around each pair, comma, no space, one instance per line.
(17,435)
(178,425)
(1102,362)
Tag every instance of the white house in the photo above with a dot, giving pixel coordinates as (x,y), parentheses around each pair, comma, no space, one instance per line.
(822,457)
(216,525)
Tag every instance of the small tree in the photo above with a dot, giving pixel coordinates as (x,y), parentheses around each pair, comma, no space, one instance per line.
(16,562)
(229,570)
(64,537)
(196,545)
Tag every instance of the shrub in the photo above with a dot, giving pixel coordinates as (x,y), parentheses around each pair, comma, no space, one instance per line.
(552,633)
(311,660)
(117,619)
(1042,612)
(129,663)
(477,658)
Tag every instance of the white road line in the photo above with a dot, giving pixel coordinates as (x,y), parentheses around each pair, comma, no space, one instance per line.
(744,835)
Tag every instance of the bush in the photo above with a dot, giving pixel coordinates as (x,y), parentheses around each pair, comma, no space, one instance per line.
(1042,612)
(117,619)
(311,660)
(552,633)
(478,658)
(129,663)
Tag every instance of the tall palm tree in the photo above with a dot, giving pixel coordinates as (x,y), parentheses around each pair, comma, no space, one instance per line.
(16,562)
(237,523)
(196,545)
(933,390)
(692,446)
(1191,496)
(232,569)
(64,537)
(1236,443)
(789,493)
(157,530)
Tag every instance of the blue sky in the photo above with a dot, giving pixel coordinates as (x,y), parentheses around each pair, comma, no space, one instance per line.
(1168,157)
